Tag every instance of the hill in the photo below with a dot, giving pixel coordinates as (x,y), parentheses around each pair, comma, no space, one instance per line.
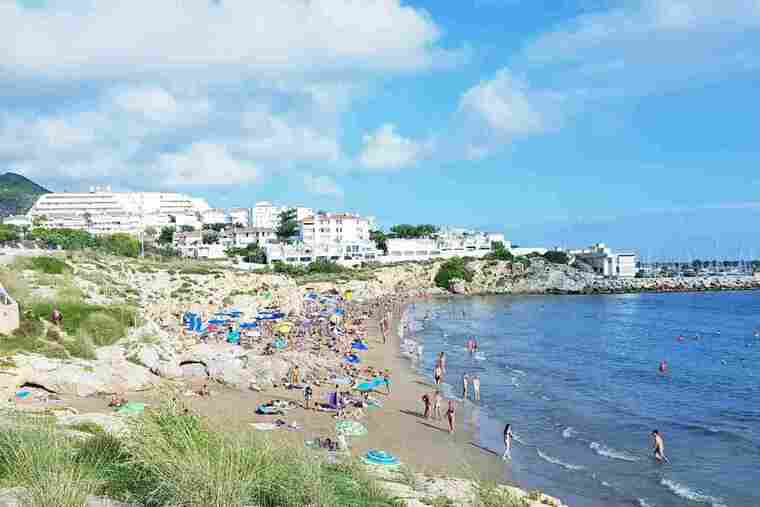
(18,194)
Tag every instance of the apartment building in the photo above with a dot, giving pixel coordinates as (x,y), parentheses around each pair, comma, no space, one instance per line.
(102,211)
(267,215)
(605,262)
(333,228)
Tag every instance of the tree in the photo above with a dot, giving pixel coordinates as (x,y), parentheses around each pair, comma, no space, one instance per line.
(288,226)
(499,253)
(454,268)
(252,253)
(210,237)
(121,244)
(556,257)
(167,236)
(186,228)
(380,239)
(413,231)
(9,233)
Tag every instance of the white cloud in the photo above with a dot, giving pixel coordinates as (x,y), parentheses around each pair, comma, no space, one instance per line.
(205,164)
(322,185)
(83,39)
(648,46)
(385,149)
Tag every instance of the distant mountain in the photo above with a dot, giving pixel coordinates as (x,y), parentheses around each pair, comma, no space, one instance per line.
(18,194)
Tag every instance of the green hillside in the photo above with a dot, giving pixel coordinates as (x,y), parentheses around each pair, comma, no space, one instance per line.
(18,194)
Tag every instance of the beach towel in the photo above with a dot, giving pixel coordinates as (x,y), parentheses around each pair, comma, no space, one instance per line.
(233,337)
(381,458)
(280,343)
(264,426)
(342,381)
(353,359)
(351,428)
(268,410)
(359,346)
(22,395)
(131,409)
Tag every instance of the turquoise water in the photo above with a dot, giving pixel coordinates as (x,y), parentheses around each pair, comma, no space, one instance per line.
(577,377)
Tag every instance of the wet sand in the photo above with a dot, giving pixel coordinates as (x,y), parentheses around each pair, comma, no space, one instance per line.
(398,427)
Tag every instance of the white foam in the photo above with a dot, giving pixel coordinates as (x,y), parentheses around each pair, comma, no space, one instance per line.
(643,503)
(557,461)
(479,356)
(690,494)
(569,432)
(609,452)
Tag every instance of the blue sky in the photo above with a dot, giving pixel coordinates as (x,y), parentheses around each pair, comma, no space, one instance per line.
(558,122)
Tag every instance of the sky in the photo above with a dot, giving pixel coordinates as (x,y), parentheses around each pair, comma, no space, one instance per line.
(558,122)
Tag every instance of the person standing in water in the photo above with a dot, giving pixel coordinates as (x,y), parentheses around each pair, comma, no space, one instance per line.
(663,367)
(476,387)
(442,361)
(450,413)
(659,447)
(465,385)
(437,405)
(438,374)
(507,442)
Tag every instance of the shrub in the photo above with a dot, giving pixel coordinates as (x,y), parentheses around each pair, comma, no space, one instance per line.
(325,266)
(103,329)
(78,315)
(556,257)
(80,347)
(456,267)
(48,265)
(499,253)
(119,244)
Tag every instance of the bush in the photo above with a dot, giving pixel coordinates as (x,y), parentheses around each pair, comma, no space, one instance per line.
(453,268)
(325,266)
(78,315)
(80,347)
(499,253)
(123,245)
(103,329)
(556,257)
(48,265)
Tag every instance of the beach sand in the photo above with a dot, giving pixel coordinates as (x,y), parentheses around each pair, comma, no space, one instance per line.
(398,427)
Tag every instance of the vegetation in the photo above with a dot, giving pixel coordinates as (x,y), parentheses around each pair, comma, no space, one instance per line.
(252,253)
(9,233)
(499,253)
(412,231)
(45,265)
(556,257)
(18,194)
(454,268)
(174,458)
(166,237)
(380,239)
(117,244)
(288,226)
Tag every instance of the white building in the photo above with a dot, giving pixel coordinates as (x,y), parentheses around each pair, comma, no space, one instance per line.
(240,217)
(607,263)
(102,211)
(333,228)
(18,221)
(214,216)
(443,245)
(267,215)
(261,235)
(341,253)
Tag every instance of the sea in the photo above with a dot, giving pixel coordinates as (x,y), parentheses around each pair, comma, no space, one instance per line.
(578,379)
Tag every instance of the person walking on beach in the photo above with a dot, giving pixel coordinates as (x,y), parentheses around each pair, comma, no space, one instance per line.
(450,413)
(438,374)
(659,447)
(426,402)
(476,387)
(465,385)
(437,405)
(308,393)
(507,442)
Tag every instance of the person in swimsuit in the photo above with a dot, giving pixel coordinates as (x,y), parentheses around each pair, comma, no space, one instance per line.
(450,413)
(442,361)
(507,442)
(438,375)
(437,405)
(465,385)
(426,401)
(663,367)
(476,387)
(659,447)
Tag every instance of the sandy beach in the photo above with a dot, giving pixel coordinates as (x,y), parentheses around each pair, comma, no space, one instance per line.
(398,427)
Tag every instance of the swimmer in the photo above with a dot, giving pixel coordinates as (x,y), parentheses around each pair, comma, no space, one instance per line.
(680,338)
(438,375)
(442,361)
(476,387)
(659,447)
(663,367)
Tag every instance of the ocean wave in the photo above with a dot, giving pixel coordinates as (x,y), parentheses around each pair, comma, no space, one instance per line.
(479,356)
(690,494)
(643,503)
(608,452)
(569,432)
(557,461)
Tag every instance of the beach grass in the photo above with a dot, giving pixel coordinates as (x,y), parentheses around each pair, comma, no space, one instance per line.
(173,457)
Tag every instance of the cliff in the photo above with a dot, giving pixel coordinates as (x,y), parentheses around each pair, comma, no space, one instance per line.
(18,194)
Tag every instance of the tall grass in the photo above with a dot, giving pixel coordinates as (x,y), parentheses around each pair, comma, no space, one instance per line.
(173,458)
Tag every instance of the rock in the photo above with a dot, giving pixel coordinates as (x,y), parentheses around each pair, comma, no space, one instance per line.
(458,286)
(79,377)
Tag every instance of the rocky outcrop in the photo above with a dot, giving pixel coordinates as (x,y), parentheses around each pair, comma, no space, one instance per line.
(109,373)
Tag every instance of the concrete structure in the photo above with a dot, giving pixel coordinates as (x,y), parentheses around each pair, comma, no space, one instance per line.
(214,216)
(444,245)
(9,314)
(240,217)
(523,251)
(607,263)
(190,244)
(102,211)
